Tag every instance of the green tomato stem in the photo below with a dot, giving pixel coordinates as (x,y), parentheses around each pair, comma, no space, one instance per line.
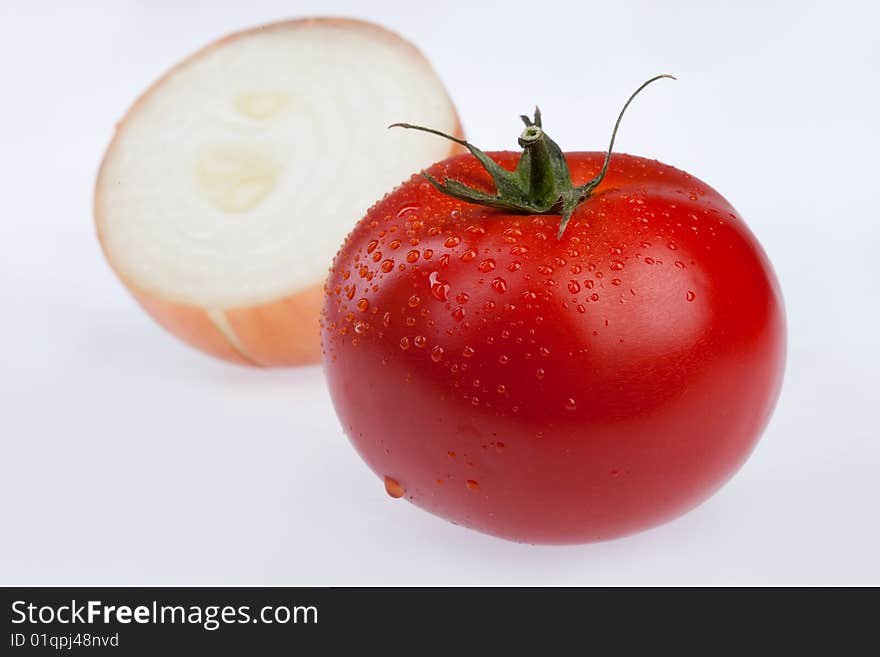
(541,182)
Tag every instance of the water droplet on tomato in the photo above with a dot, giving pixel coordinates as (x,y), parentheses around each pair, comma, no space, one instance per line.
(363,305)
(412,256)
(395,244)
(540,373)
(467,352)
(437,354)
(458,314)
(393,488)
(468,255)
(574,287)
(451,242)
(679,264)
(420,341)
(439,288)
(414,301)
(503,359)
(472,485)
(617,265)
(404,343)
(691,296)
(499,285)
(372,245)
(570,404)
(387,265)
(487,265)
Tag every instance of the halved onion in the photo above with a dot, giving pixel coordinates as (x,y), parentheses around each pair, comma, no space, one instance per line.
(230,184)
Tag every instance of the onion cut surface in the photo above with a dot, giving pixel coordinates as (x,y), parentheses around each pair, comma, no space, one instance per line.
(230,184)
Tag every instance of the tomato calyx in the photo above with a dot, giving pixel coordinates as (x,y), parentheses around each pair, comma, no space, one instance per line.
(541,182)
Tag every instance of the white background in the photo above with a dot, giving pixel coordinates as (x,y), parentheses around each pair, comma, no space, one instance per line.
(129,459)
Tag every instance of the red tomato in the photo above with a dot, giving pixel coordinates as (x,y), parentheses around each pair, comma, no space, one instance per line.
(554,390)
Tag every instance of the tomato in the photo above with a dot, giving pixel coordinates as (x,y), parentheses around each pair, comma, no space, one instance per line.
(553,389)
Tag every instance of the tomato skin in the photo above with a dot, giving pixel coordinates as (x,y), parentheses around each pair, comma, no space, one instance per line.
(555,391)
